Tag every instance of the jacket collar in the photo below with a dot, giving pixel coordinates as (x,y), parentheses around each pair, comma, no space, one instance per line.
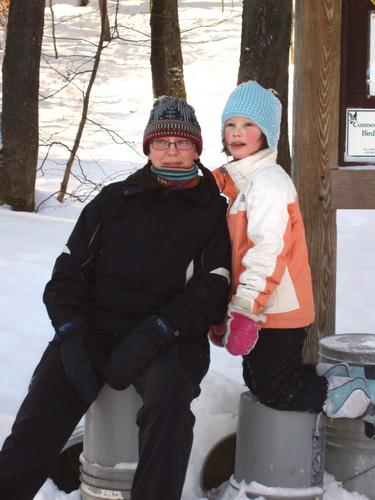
(242,170)
(204,193)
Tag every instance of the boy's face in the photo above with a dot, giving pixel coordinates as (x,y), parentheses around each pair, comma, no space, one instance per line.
(173,156)
(242,137)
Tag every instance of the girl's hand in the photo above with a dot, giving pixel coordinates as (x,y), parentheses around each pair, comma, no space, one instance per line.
(241,332)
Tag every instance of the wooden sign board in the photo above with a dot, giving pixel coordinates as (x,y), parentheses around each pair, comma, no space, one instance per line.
(357,84)
(371,59)
(360,135)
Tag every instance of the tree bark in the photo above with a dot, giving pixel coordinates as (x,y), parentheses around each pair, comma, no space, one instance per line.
(104,13)
(20,103)
(265,44)
(166,55)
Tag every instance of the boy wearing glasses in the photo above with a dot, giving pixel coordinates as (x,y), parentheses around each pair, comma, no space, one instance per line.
(144,274)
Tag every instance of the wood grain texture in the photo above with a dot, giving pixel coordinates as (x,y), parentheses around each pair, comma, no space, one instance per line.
(353,189)
(315,147)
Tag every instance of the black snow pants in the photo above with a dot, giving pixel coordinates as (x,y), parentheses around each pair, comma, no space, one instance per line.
(275,373)
(52,409)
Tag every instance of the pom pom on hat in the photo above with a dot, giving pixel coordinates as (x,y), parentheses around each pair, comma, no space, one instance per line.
(260,105)
(171,116)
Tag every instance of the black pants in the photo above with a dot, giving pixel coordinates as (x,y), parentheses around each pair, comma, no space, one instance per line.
(275,373)
(52,409)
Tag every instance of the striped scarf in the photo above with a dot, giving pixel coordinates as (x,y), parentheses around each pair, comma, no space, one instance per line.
(176,177)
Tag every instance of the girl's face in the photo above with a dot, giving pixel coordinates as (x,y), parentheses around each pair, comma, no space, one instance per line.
(242,137)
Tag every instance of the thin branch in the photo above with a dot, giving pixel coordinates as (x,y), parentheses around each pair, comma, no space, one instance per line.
(146,35)
(211,25)
(73,39)
(45,200)
(53,29)
(86,100)
(67,78)
(114,136)
(40,168)
(115,32)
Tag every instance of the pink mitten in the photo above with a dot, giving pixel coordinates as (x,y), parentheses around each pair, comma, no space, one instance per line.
(241,334)
(216,334)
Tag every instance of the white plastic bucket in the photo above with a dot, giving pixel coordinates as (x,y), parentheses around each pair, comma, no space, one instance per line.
(350,449)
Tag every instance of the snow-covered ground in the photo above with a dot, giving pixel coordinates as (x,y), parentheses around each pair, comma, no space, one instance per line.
(110,149)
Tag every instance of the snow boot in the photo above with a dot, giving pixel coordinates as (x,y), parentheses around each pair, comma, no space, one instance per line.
(339,370)
(350,398)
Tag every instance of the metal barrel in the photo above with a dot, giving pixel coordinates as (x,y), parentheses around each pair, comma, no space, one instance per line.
(350,443)
(110,445)
(278,450)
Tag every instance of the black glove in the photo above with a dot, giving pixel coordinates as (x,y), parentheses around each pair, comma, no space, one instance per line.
(75,359)
(137,350)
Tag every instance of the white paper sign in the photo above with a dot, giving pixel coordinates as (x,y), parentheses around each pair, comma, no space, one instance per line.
(360,132)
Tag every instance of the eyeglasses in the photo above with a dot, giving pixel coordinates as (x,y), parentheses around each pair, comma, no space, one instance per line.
(181,144)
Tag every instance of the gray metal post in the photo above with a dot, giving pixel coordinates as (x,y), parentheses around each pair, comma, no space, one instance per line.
(110,445)
(278,449)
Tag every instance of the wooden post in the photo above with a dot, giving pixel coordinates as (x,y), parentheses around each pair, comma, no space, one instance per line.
(315,147)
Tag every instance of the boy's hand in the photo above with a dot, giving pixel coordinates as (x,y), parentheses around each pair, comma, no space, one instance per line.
(216,334)
(137,349)
(76,361)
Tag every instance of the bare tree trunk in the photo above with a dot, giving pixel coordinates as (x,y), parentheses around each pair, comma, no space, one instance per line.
(166,56)
(265,44)
(68,168)
(4,7)
(20,103)
(104,14)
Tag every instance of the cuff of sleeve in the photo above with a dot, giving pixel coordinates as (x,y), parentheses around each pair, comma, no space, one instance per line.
(168,316)
(71,326)
(164,327)
(239,305)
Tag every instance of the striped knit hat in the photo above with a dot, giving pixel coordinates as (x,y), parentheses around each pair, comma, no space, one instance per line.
(171,116)
(261,105)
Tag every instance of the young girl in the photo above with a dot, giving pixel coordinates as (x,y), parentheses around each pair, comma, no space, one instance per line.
(271,306)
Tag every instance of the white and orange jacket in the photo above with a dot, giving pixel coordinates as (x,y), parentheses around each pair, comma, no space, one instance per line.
(271,276)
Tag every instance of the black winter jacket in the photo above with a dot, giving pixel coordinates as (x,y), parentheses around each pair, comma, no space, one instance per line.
(139,250)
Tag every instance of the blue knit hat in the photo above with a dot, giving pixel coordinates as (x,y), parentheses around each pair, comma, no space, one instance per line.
(261,105)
